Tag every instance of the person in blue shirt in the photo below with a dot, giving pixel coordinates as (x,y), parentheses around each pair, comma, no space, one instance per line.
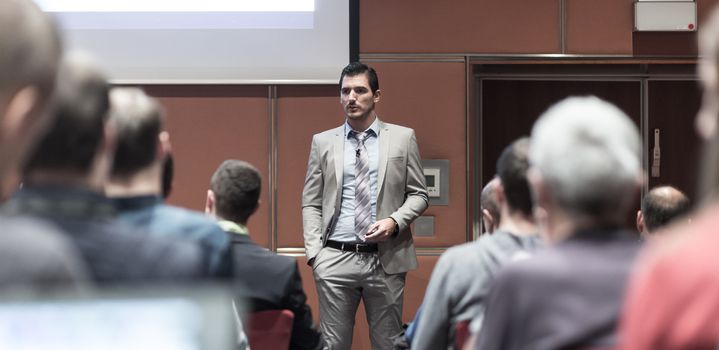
(136,180)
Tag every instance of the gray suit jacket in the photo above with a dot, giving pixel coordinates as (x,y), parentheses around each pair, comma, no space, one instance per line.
(401,192)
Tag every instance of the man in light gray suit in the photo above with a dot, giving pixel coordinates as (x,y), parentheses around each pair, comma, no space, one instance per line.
(364,187)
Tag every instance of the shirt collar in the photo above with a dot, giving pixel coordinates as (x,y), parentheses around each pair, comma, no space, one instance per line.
(233,227)
(374,127)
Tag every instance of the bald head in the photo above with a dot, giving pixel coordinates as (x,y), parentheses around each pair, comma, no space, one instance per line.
(490,206)
(662,205)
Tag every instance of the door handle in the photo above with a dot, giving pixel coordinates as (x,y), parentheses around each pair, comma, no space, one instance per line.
(656,155)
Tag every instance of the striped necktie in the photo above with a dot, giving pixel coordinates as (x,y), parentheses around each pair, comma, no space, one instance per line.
(363,207)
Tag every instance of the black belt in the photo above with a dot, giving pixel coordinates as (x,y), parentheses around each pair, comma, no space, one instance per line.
(353,247)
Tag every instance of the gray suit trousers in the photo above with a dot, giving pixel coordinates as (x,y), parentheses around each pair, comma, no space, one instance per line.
(342,279)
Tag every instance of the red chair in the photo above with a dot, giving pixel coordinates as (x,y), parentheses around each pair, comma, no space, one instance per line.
(461,333)
(269,330)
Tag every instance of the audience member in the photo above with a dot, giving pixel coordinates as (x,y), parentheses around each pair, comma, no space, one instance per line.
(490,208)
(63,181)
(31,253)
(585,162)
(136,180)
(672,298)
(461,279)
(271,281)
(659,207)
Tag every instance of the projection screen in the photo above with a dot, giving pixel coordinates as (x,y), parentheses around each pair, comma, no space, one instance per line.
(210,41)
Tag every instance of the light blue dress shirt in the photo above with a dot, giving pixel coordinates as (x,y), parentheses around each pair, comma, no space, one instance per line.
(345,228)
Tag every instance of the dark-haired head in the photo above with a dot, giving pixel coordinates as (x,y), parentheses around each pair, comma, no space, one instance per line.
(358,68)
(512,167)
(236,187)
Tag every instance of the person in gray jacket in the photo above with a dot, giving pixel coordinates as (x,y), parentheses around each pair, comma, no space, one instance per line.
(461,279)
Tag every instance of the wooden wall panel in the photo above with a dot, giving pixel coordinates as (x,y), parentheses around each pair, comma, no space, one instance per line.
(209,124)
(599,27)
(430,98)
(415,285)
(302,112)
(460,26)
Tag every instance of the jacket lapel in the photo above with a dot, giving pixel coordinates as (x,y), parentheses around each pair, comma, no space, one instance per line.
(338,158)
(384,145)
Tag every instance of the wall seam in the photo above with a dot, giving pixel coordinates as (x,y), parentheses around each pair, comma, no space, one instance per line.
(272,185)
(563,26)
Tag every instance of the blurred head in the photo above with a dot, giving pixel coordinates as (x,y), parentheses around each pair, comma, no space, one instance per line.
(512,167)
(585,157)
(706,120)
(490,207)
(76,136)
(234,191)
(708,69)
(138,119)
(30,50)
(659,207)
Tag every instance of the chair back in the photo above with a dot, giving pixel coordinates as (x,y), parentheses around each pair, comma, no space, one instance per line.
(461,333)
(270,329)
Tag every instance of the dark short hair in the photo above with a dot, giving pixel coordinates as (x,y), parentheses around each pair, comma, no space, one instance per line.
(357,68)
(662,205)
(236,185)
(512,167)
(80,111)
(138,119)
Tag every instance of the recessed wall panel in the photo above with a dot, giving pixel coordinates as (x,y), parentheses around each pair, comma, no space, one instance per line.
(302,112)
(599,27)
(459,26)
(429,97)
(209,124)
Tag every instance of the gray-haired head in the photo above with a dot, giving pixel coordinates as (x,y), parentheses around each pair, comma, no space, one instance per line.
(587,152)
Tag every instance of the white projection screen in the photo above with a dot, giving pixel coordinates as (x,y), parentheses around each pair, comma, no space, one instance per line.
(210,41)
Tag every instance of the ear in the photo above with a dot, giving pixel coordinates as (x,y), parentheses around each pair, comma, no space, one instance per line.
(210,203)
(20,107)
(377,95)
(164,146)
(640,221)
(110,137)
(489,224)
(540,194)
(708,73)
(499,193)
(257,206)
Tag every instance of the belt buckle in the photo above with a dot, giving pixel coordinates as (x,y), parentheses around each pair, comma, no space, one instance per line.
(342,247)
(357,246)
